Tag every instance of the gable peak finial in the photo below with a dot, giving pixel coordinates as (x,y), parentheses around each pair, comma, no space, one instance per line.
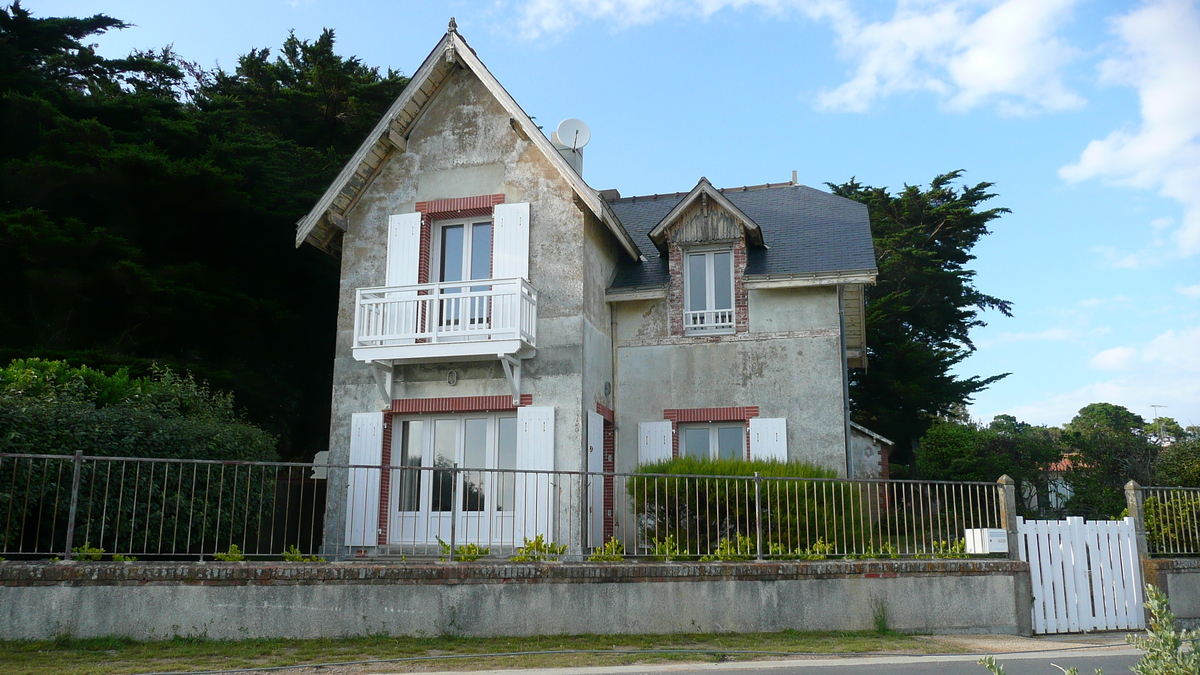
(453,28)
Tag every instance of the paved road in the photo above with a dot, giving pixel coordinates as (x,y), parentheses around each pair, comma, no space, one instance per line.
(1113,661)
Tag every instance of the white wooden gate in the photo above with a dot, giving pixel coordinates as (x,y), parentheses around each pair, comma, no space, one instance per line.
(1086,575)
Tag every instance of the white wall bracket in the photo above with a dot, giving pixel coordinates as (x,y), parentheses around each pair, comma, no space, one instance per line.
(512,371)
(383,373)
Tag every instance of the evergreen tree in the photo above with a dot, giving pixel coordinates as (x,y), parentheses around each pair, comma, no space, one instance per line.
(921,311)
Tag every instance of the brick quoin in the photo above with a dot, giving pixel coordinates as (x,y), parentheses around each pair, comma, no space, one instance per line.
(684,415)
(385,478)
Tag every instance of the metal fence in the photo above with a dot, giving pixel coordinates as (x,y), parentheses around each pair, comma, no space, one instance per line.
(189,509)
(1171,518)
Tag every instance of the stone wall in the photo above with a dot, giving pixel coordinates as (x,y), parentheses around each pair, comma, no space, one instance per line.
(298,600)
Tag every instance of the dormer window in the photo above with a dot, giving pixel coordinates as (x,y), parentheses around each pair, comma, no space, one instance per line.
(708,292)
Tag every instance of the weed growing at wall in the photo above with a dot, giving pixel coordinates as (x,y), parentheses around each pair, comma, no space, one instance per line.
(611,551)
(539,550)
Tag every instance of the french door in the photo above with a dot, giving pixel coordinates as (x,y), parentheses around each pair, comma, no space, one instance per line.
(464,254)
(429,498)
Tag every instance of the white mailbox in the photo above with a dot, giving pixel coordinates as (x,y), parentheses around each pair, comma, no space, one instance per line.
(985,540)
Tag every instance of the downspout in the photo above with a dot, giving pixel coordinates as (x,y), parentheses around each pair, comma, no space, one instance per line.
(845,380)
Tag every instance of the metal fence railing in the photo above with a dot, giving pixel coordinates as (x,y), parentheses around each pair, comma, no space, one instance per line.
(1171,519)
(75,505)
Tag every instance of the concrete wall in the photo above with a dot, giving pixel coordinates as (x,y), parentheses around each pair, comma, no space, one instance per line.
(238,601)
(867,455)
(1179,578)
(788,364)
(463,146)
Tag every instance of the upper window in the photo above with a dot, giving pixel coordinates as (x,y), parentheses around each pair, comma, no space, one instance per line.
(464,250)
(708,292)
(721,440)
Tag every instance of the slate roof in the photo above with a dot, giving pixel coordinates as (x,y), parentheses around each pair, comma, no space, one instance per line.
(806,231)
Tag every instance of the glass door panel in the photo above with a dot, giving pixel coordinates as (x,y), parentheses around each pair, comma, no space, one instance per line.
(475,451)
(445,442)
(412,454)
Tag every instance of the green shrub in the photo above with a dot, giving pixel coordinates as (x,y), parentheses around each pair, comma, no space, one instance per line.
(234,554)
(293,554)
(87,552)
(539,550)
(611,551)
(464,553)
(740,548)
(49,407)
(667,550)
(1171,524)
(707,508)
(818,551)
(117,557)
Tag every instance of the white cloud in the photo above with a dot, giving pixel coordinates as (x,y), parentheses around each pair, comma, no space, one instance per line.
(1165,370)
(1192,292)
(971,53)
(1117,358)
(1160,57)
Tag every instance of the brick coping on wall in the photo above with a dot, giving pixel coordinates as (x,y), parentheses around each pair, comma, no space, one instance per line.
(354,573)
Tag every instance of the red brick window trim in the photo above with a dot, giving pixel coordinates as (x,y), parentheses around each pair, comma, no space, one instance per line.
(446,209)
(457,404)
(685,415)
(675,300)
(604,411)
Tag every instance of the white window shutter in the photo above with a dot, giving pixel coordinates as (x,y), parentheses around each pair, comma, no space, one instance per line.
(362,486)
(535,452)
(595,484)
(510,241)
(768,438)
(654,441)
(403,249)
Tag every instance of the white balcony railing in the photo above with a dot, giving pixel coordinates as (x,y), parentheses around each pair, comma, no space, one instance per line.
(708,321)
(483,310)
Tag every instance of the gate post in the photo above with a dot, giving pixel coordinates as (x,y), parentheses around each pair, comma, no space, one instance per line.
(1134,499)
(1007,487)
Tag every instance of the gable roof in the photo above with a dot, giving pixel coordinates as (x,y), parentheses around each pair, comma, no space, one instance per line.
(808,231)
(703,190)
(324,224)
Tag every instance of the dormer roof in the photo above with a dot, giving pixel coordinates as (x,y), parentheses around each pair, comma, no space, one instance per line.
(704,192)
(324,224)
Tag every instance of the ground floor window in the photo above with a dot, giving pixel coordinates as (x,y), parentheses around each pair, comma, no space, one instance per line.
(714,440)
(468,441)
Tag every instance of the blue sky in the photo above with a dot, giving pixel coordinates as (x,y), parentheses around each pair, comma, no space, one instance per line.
(1085,115)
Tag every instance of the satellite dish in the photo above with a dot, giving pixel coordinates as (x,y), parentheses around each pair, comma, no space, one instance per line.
(573,133)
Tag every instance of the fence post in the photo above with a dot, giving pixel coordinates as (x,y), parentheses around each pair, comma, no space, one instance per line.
(78,461)
(1008,513)
(453,509)
(1134,501)
(758,514)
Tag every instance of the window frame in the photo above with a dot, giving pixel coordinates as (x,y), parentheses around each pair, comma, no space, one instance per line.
(723,328)
(714,428)
(435,258)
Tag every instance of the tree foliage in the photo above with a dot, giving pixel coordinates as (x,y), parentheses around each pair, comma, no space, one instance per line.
(147,210)
(967,451)
(921,311)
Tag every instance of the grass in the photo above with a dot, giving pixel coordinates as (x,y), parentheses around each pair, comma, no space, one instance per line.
(104,656)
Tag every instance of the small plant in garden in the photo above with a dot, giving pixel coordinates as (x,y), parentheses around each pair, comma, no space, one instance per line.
(293,554)
(1165,650)
(234,554)
(668,550)
(539,550)
(611,551)
(958,549)
(818,551)
(886,550)
(467,552)
(741,548)
(117,557)
(87,552)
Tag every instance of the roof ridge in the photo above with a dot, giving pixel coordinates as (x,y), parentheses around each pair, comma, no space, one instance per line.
(744,188)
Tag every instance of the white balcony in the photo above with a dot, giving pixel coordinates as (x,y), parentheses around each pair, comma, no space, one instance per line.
(447,321)
(708,321)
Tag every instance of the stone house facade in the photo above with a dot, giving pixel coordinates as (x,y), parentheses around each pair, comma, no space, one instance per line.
(498,313)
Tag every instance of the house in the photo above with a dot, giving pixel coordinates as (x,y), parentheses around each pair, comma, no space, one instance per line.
(498,312)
